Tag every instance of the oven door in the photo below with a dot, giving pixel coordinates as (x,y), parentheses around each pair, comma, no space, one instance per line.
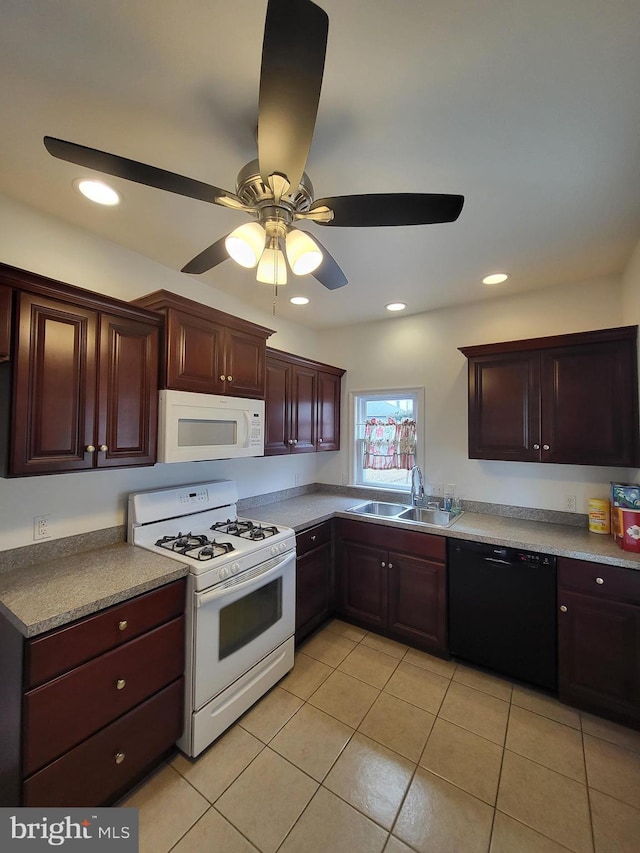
(239,621)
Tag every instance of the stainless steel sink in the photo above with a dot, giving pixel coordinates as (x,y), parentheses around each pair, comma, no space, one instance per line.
(380,509)
(432,517)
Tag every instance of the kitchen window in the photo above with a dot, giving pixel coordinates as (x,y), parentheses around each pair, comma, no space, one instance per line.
(387,428)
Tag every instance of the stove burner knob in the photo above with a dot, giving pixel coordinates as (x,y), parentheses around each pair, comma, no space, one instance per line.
(234,568)
(283,547)
(274,550)
(223,574)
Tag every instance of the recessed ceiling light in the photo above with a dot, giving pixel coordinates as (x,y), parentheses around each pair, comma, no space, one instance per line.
(495,278)
(299,300)
(97,191)
(395,306)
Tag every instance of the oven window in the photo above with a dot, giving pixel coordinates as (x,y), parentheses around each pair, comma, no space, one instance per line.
(250,616)
(193,432)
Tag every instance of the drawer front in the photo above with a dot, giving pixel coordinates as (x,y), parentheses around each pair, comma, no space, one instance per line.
(107,764)
(313,538)
(64,712)
(599,579)
(68,647)
(389,538)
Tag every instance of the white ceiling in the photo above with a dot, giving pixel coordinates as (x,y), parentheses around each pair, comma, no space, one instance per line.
(531,110)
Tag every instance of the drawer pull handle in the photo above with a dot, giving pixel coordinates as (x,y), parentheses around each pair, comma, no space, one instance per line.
(119,757)
(599,580)
(120,684)
(123,625)
(563,608)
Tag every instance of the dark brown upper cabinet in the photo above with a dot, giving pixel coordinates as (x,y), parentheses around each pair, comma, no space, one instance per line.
(207,350)
(85,380)
(302,405)
(5,322)
(569,399)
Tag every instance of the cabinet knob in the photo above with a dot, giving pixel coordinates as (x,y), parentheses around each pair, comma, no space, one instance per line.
(545,447)
(90,448)
(390,565)
(319,441)
(383,565)
(536,447)
(313,538)
(563,608)
(600,580)
(290,441)
(120,684)
(119,757)
(123,625)
(295,441)
(222,378)
(229,378)
(103,448)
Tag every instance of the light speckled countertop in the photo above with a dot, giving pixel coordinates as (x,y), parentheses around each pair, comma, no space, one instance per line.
(301,512)
(46,595)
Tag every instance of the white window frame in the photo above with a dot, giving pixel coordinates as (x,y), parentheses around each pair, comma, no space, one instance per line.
(355,441)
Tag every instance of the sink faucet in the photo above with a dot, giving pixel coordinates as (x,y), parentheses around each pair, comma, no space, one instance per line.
(417,493)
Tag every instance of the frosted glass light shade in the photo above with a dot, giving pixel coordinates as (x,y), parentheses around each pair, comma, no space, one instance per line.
(272,268)
(246,243)
(303,254)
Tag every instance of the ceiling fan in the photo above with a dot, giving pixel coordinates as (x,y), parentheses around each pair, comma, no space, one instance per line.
(274,189)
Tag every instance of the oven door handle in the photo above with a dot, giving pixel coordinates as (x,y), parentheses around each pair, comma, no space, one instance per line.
(271,567)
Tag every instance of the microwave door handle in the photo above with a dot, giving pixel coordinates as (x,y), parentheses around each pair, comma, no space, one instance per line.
(247,418)
(271,567)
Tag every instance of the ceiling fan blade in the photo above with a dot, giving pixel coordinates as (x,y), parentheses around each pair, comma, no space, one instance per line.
(328,273)
(390,209)
(293,53)
(140,173)
(211,257)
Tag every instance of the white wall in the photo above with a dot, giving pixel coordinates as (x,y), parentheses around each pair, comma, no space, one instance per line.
(422,350)
(94,500)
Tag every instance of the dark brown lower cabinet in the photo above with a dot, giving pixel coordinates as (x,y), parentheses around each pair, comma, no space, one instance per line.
(314,578)
(599,639)
(90,707)
(394,582)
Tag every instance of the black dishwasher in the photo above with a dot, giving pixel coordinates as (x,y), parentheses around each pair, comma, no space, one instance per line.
(502,610)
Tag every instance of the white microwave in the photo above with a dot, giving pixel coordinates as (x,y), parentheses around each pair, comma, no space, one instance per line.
(196,427)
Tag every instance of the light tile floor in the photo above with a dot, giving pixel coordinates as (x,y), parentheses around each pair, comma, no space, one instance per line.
(369,746)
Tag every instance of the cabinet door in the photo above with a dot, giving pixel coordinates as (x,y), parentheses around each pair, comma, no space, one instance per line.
(127,392)
(314,590)
(363,585)
(417,601)
(5,322)
(599,655)
(245,364)
(587,406)
(277,407)
(195,353)
(303,409)
(328,411)
(504,411)
(54,391)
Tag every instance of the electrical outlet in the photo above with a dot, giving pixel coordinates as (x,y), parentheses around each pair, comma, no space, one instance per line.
(298,479)
(41,524)
(438,490)
(345,478)
(570,503)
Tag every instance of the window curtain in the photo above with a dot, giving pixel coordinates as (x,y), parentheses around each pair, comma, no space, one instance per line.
(389,443)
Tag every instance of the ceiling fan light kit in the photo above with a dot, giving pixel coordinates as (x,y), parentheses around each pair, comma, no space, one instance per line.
(274,189)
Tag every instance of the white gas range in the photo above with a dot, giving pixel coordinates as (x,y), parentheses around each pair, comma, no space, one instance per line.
(240,610)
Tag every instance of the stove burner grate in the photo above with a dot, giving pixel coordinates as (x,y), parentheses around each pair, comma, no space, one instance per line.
(196,546)
(245,529)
